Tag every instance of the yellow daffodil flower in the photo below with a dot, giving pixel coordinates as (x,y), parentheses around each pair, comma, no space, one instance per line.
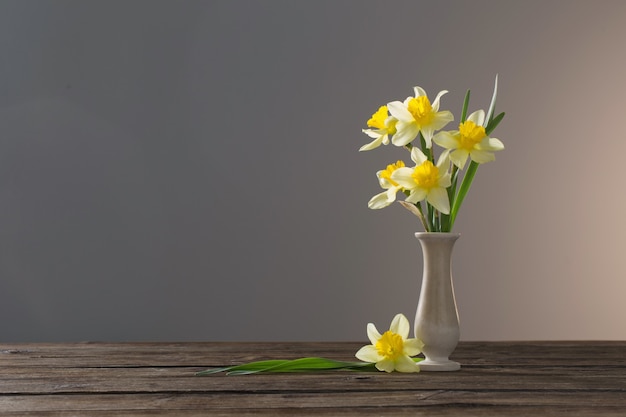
(384,178)
(417,114)
(392,350)
(384,127)
(470,140)
(426,180)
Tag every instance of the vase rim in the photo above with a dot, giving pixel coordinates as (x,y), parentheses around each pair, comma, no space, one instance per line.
(437,235)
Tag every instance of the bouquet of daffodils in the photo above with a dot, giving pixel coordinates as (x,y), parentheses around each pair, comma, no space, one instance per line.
(415,124)
(401,123)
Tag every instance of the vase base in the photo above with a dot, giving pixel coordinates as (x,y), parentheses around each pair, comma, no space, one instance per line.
(439,366)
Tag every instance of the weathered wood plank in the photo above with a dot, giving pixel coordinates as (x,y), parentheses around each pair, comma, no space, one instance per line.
(501,378)
(490,411)
(223,353)
(114,380)
(322,403)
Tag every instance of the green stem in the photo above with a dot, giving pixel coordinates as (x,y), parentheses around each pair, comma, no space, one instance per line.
(427,151)
(422,218)
(463,190)
(445,218)
(431,217)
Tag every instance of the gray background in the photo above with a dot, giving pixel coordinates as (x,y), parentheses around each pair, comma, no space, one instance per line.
(188,170)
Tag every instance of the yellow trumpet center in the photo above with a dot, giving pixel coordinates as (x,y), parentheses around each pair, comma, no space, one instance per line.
(426,175)
(386,174)
(391,126)
(471,134)
(377,121)
(390,345)
(421,110)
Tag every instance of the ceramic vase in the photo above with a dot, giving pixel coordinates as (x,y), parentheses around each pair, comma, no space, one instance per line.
(437,319)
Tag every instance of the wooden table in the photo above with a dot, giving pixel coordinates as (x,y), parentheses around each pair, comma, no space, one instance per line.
(154,379)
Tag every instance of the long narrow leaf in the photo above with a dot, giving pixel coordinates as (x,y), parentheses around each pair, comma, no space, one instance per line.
(445,218)
(296,365)
(492,106)
(259,365)
(465,105)
(463,190)
(494,123)
(312,364)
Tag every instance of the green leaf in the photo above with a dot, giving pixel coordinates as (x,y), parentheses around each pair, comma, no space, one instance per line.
(310,364)
(252,366)
(465,105)
(445,218)
(463,190)
(296,365)
(493,123)
(492,105)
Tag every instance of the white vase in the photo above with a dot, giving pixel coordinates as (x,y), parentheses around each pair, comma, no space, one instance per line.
(437,318)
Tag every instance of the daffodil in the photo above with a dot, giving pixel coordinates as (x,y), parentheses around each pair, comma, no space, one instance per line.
(384,178)
(384,126)
(393,349)
(426,180)
(470,140)
(417,114)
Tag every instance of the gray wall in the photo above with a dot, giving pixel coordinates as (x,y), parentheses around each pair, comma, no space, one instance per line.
(188,170)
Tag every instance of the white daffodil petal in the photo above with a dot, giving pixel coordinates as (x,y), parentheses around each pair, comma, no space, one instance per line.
(390,121)
(382,181)
(490,144)
(373,133)
(427,134)
(419,91)
(445,181)
(391,194)
(372,145)
(441,119)
(447,140)
(443,163)
(400,325)
(413,347)
(368,354)
(395,323)
(379,201)
(477,117)
(405,133)
(372,333)
(416,195)
(435,103)
(482,157)
(386,365)
(406,364)
(438,198)
(459,157)
(403,176)
(399,111)
(418,156)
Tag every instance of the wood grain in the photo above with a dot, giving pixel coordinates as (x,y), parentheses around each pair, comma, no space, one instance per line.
(141,379)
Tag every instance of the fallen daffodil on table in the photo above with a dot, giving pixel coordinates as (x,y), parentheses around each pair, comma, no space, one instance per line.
(432,188)
(392,350)
(388,352)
